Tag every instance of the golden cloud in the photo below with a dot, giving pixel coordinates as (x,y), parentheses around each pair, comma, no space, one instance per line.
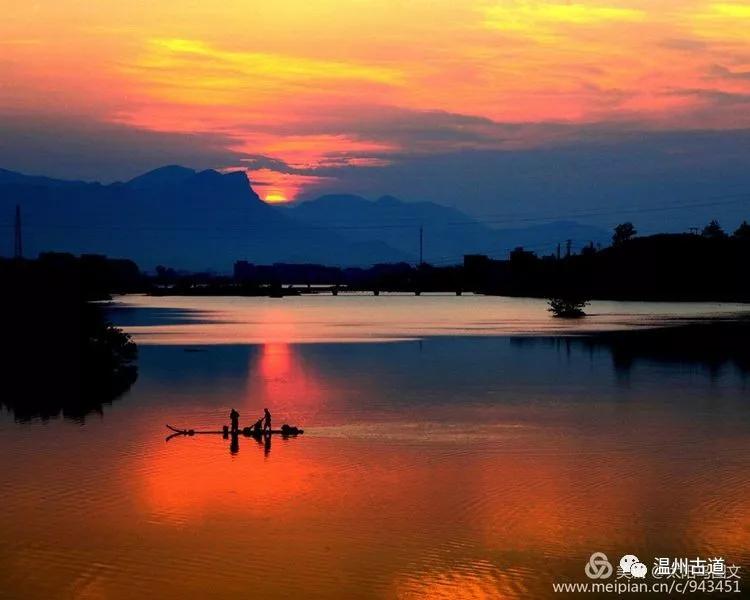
(545,19)
(191,71)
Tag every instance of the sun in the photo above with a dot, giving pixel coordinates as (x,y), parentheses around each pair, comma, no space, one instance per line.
(276,198)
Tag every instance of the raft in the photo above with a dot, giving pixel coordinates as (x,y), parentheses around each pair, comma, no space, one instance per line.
(285,431)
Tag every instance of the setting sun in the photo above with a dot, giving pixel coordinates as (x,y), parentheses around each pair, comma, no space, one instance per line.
(276,198)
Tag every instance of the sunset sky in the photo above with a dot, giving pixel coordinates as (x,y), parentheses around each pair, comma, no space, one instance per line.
(315,96)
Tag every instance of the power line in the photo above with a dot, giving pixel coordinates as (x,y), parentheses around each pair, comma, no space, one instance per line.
(408,223)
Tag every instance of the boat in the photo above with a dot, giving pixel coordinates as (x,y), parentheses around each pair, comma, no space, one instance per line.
(285,431)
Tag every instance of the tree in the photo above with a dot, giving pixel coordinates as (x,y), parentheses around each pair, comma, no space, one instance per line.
(713,231)
(623,232)
(743,232)
(522,260)
(567,308)
(588,250)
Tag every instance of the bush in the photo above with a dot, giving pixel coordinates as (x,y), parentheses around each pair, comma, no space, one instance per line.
(567,308)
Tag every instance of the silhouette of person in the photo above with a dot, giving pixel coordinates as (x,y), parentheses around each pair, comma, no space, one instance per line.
(266,420)
(258,427)
(234,416)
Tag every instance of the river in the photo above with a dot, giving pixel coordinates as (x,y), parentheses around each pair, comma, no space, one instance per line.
(454,447)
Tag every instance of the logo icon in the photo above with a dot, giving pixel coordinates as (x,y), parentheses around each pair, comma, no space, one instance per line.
(631,566)
(598,566)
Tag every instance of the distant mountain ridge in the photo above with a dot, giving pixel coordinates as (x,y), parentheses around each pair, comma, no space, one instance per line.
(448,233)
(162,177)
(193,220)
(198,220)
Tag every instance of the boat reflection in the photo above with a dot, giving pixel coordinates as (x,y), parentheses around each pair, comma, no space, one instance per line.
(262,441)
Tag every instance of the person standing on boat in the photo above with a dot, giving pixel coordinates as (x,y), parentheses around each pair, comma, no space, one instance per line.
(234,417)
(266,420)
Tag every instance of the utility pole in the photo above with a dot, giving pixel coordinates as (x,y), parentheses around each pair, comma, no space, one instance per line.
(421,241)
(558,250)
(18,240)
(567,248)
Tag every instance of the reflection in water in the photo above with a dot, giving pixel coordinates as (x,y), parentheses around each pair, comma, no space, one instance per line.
(63,359)
(711,345)
(263,441)
(447,468)
(280,379)
(263,438)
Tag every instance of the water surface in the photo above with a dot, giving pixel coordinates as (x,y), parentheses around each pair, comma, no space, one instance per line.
(366,318)
(453,466)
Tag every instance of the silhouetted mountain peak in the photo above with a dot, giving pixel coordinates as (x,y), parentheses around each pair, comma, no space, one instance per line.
(234,184)
(234,179)
(239,176)
(13,177)
(188,183)
(163,176)
(178,217)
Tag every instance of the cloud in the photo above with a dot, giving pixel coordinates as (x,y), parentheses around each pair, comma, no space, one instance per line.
(74,147)
(381,131)
(540,20)
(615,176)
(683,44)
(726,22)
(722,72)
(545,169)
(193,72)
(714,98)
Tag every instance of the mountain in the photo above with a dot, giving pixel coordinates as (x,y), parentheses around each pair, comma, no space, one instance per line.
(173,216)
(162,177)
(448,233)
(197,220)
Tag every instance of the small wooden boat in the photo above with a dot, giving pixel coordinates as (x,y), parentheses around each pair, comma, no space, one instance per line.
(285,431)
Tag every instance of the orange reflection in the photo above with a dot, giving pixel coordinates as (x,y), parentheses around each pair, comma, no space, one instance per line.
(280,380)
(480,580)
(470,521)
(275,361)
(419,518)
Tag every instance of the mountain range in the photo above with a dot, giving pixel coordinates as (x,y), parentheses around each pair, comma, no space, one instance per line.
(447,233)
(198,220)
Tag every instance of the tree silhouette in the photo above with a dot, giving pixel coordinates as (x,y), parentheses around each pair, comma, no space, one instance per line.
(743,232)
(567,308)
(623,232)
(713,231)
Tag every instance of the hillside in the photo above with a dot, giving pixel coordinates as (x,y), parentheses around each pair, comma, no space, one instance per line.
(206,220)
(172,216)
(448,233)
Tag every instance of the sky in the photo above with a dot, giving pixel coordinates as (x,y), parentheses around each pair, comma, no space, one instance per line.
(487,105)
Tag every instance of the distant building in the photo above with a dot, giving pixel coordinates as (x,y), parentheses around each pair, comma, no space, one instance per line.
(482,272)
(286,274)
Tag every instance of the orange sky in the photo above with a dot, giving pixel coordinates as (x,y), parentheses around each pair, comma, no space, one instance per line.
(325,83)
